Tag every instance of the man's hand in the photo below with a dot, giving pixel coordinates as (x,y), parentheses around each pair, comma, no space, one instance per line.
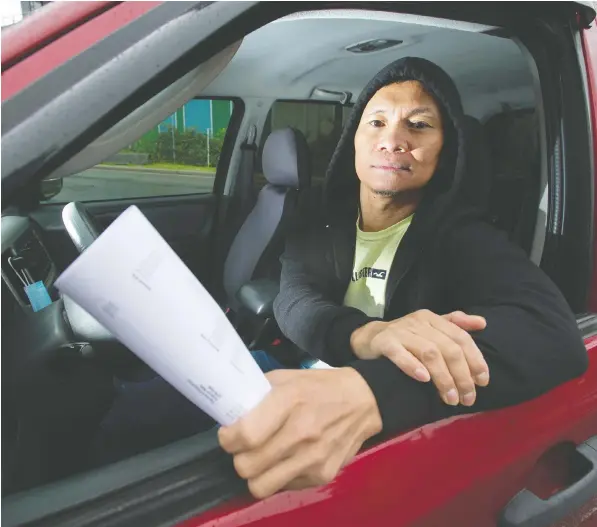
(307,428)
(427,346)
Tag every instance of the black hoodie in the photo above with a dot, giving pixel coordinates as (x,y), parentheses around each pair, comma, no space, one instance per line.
(449,259)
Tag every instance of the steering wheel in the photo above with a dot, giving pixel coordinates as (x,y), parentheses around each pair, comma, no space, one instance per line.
(83,231)
(80,225)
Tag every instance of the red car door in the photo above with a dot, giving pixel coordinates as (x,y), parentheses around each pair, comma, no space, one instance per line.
(531,465)
(459,472)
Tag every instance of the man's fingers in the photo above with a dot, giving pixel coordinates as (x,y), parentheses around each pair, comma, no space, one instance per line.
(428,352)
(278,477)
(455,360)
(313,466)
(250,464)
(390,346)
(346,455)
(466,322)
(276,377)
(251,431)
(474,358)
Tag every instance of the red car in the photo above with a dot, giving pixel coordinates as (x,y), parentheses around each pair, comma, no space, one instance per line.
(167,105)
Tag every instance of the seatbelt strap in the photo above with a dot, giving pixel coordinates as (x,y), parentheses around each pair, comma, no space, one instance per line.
(232,211)
(243,189)
(242,194)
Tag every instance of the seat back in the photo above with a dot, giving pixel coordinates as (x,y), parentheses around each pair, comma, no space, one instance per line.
(516,186)
(477,184)
(285,162)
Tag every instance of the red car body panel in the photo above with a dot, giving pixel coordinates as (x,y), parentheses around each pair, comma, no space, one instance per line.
(73,42)
(44,26)
(457,472)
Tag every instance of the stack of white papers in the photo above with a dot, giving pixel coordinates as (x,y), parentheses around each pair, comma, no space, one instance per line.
(134,284)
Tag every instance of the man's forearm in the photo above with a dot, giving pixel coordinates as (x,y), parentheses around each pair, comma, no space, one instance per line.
(519,370)
(403,402)
(314,322)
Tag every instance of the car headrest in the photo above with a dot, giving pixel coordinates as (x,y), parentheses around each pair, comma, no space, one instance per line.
(285,159)
(514,143)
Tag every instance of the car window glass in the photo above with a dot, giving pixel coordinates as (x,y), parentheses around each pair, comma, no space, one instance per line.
(177,157)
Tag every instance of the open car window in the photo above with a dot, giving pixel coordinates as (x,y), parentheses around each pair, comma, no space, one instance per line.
(178,156)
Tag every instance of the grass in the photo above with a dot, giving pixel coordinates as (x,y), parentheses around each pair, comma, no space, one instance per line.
(172,166)
(165,166)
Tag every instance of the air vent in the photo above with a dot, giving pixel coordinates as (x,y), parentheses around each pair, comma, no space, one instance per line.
(370,46)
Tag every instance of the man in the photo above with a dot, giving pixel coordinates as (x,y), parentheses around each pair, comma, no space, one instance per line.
(391,277)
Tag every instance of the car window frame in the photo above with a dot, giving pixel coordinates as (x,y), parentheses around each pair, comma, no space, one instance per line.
(175,484)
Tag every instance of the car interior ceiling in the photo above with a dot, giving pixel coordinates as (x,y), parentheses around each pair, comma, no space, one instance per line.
(497,90)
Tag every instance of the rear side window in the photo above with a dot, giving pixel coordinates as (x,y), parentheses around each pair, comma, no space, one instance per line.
(320,122)
(177,157)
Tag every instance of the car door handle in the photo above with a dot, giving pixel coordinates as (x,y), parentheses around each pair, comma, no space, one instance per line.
(526,509)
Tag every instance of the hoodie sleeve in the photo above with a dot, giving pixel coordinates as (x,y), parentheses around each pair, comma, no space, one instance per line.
(531,342)
(305,309)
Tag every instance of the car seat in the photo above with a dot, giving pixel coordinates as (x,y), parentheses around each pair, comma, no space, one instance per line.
(515,191)
(257,246)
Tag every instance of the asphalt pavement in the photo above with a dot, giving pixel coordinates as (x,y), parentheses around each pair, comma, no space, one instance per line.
(116,183)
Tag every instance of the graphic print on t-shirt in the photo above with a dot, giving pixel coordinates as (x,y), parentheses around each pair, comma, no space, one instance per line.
(369,272)
(374,254)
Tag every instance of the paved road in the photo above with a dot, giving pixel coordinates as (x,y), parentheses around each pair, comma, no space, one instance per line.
(102,184)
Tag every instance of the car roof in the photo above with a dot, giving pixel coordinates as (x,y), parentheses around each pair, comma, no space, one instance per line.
(311,52)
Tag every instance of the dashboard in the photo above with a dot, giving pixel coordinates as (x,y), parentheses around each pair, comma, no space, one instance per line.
(25,259)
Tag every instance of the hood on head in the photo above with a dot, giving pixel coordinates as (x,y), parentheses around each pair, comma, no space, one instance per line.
(341,187)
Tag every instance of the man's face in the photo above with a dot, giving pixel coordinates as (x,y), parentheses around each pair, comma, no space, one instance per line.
(399,139)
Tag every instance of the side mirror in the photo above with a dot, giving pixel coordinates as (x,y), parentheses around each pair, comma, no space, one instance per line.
(49,188)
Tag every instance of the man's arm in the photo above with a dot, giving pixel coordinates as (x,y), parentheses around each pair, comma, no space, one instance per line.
(313,422)
(531,342)
(304,309)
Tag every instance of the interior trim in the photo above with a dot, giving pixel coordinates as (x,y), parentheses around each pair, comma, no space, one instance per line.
(141,490)
(405,18)
(538,242)
(587,324)
(569,249)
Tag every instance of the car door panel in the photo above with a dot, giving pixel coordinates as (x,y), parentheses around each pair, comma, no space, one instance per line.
(185,222)
(461,471)
(457,472)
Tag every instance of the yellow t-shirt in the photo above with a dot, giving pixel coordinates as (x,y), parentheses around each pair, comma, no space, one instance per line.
(373,258)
